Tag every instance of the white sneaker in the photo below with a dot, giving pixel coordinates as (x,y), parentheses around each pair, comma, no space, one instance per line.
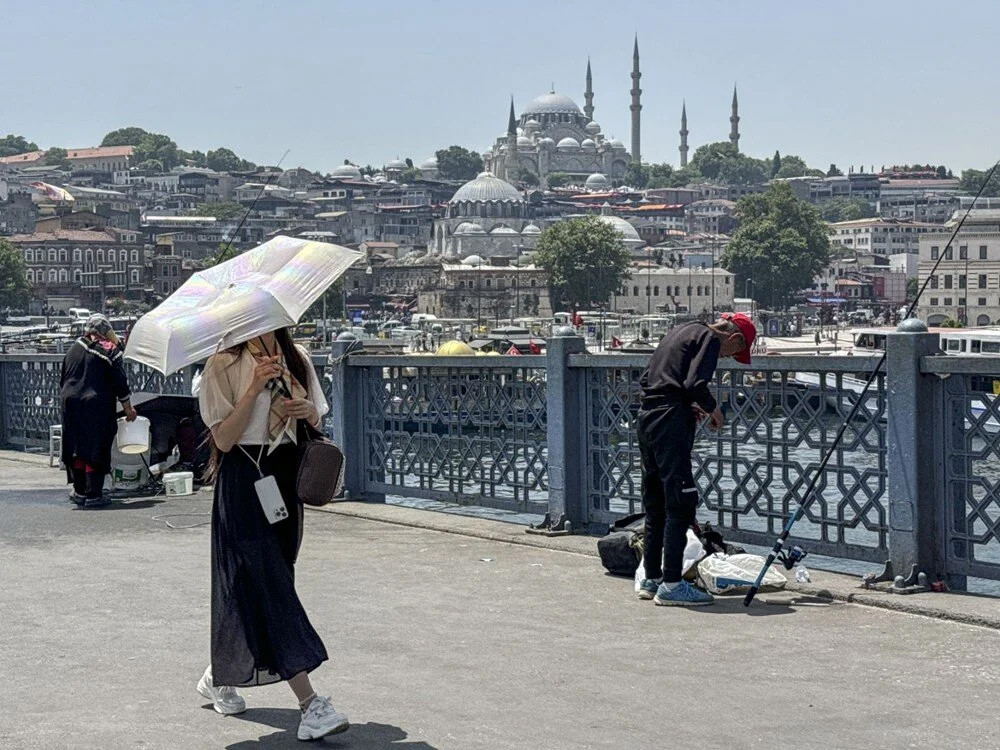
(224,699)
(321,720)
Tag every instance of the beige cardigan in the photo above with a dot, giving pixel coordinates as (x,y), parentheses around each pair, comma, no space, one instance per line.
(227,377)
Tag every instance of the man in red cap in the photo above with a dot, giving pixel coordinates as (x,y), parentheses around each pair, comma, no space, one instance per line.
(675,396)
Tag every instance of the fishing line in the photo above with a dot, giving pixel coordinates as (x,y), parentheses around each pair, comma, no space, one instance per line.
(267,182)
(808,495)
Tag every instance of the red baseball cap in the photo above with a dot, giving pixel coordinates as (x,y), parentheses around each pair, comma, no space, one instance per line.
(749,331)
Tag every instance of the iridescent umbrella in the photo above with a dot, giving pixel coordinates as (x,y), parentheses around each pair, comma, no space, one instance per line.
(265,288)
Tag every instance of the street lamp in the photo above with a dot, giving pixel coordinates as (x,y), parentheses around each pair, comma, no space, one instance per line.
(746,294)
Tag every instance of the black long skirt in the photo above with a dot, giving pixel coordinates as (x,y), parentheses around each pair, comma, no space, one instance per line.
(260,631)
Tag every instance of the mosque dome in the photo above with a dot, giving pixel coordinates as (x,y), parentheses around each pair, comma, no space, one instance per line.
(552,104)
(431,163)
(615,143)
(598,181)
(468,227)
(486,187)
(454,349)
(473,260)
(626,230)
(593,128)
(546,142)
(503,230)
(531,229)
(587,144)
(525,142)
(532,124)
(346,172)
(568,144)
(396,164)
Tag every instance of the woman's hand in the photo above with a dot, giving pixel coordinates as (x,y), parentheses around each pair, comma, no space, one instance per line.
(301,408)
(266,369)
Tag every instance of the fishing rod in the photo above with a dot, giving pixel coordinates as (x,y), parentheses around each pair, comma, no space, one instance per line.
(776,551)
(267,182)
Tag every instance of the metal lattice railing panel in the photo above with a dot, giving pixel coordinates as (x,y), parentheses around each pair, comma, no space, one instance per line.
(31,401)
(467,434)
(751,475)
(971,463)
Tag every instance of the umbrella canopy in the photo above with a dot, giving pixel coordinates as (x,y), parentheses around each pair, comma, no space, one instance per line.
(263,289)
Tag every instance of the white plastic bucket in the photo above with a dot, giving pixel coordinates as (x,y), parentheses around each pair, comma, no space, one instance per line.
(128,471)
(133,437)
(179,483)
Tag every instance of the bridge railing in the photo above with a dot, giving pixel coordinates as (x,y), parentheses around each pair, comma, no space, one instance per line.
(916,479)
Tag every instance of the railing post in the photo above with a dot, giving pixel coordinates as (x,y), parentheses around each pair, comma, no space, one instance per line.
(912,461)
(347,422)
(564,408)
(4,402)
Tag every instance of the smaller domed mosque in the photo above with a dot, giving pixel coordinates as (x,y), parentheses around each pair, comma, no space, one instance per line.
(487,216)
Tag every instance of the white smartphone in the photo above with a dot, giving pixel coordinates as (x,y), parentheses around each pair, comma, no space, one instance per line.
(270,499)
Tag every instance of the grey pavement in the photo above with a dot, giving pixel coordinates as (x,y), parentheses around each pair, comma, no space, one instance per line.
(443,640)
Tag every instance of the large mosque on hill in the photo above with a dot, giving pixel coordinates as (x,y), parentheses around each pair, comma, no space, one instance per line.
(554,135)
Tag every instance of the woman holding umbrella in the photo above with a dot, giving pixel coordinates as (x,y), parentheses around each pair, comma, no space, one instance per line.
(255,399)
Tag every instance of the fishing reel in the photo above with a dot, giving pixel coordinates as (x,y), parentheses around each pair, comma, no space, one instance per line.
(789,558)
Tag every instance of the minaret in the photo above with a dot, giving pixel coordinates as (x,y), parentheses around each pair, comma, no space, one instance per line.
(684,135)
(734,132)
(636,106)
(588,95)
(512,161)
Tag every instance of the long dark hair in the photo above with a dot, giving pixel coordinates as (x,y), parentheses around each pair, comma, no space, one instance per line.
(296,365)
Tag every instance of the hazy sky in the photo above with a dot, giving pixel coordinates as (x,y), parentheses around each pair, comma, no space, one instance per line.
(864,82)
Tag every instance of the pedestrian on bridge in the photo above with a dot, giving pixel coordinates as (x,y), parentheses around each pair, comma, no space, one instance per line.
(675,397)
(254,398)
(92,380)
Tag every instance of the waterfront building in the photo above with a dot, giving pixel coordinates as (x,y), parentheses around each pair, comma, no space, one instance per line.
(488,290)
(966,285)
(83,265)
(880,236)
(651,289)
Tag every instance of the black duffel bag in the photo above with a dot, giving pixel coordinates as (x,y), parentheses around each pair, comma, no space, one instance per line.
(621,548)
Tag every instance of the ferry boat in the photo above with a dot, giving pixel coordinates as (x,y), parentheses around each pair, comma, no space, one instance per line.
(954,341)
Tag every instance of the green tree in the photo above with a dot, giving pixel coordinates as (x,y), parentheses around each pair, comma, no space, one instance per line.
(145,145)
(411,174)
(56,157)
(794,166)
(457,163)
(586,260)
(723,162)
(527,177)
(942,171)
(409,162)
(952,323)
(775,164)
(972,178)
(912,288)
(15,291)
(660,176)
(222,160)
(782,244)
(559,179)
(846,209)
(221,211)
(12,145)
(131,136)
(152,165)
(834,172)
(636,175)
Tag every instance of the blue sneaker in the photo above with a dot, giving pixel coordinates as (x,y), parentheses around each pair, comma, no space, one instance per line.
(682,595)
(647,588)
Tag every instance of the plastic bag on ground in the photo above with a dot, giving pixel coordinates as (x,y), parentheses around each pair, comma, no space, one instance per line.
(693,552)
(732,574)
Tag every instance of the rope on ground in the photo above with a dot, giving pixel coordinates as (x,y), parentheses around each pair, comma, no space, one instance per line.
(187,526)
